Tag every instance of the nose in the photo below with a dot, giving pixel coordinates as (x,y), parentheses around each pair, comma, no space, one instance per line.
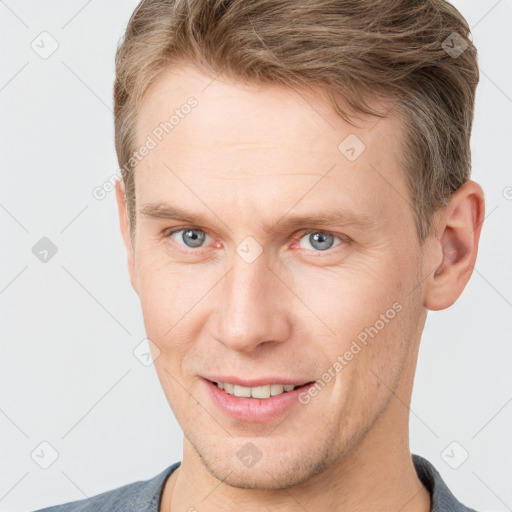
(251,306)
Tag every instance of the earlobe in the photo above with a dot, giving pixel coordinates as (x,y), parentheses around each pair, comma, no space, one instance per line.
(125,232)
(460,227)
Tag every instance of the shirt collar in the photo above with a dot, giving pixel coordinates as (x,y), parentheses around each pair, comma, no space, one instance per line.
(442,498)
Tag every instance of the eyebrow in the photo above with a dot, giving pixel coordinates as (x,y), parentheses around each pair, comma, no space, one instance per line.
(164,211)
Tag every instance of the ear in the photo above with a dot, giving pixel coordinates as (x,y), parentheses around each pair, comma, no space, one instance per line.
(456,246)
(125,232)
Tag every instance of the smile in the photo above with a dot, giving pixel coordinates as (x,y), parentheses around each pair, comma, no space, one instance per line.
(255,392)
(254,404)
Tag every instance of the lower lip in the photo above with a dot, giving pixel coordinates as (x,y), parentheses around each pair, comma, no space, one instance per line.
(254,410)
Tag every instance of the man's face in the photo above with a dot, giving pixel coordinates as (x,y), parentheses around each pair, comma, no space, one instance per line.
(241,293)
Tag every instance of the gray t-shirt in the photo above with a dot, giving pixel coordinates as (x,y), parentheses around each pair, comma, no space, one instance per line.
(144,496)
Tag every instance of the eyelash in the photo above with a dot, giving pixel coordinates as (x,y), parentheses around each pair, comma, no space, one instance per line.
(343,238)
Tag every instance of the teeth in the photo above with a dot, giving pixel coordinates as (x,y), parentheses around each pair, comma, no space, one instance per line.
(260,391)
(242,391)
(255,392)
(276,389)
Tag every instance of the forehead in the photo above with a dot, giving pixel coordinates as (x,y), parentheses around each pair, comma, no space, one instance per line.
(264,146)
(249,112)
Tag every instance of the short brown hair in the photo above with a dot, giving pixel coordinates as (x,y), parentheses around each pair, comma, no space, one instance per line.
(352,49)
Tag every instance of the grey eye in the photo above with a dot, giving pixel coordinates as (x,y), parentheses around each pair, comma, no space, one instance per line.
(319,240)
(190,237)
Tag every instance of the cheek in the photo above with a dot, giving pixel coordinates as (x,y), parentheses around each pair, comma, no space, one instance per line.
(351,297)
(372,320)
(166,296)
(161,282)
(175,300)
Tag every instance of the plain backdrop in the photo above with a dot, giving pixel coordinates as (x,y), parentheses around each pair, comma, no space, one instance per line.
(70,379)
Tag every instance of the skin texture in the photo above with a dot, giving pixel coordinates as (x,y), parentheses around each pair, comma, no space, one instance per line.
(245,157)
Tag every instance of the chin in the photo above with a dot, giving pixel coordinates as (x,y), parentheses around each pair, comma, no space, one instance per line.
(240,464)
(269,477)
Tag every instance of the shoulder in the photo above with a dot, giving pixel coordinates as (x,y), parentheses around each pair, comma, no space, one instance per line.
(137,496)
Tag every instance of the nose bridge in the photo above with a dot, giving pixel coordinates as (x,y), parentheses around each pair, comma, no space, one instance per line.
(249,313)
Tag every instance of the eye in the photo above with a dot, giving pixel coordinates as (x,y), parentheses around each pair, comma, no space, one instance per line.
(190,237)
(320,240)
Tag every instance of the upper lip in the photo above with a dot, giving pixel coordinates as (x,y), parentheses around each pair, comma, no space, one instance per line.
(261,381)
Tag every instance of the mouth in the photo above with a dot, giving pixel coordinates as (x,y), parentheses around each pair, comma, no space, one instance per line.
(257,403)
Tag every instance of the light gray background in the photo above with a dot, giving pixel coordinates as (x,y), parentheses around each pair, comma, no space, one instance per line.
(69,326)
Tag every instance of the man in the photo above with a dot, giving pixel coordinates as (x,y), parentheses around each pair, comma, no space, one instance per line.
(295,197)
